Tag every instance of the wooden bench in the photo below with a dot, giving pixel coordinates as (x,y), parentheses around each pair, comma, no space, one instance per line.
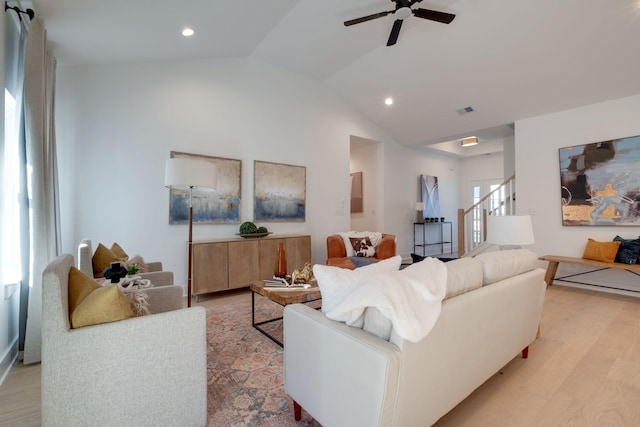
(555,260)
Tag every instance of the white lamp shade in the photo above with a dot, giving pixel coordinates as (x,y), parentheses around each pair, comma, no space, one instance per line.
(510,230)
(419,206)
(184,173)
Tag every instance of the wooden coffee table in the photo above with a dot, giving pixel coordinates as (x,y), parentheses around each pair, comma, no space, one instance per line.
(282,296)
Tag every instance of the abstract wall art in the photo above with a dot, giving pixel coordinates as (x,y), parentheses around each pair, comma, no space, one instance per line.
(600,183)
(429,190)
(219,206)
(279,192)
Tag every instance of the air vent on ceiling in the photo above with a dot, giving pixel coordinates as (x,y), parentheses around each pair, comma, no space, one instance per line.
(465,110)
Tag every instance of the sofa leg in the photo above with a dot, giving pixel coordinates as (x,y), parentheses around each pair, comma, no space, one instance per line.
(297,411)
(525,352)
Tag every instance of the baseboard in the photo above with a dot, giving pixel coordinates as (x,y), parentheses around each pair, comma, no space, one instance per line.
(8,359)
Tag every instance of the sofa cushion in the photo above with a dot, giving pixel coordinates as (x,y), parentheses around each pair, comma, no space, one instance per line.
(118,251)
(628,251)
(80,286)
(91,304)
(601,251)
(102,258)
(500,265)
(335,282)
(103,305)
(463,275)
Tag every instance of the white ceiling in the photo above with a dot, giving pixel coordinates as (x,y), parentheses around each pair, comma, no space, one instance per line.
(509,60)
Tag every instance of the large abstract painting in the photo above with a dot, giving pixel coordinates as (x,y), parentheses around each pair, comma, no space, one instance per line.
(279,192)
(219,206)
(429,189)
(600,183)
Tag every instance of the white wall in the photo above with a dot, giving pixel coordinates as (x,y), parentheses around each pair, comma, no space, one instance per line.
(479,168)
(402,167)
(117,124)
(509,153)
(538,175)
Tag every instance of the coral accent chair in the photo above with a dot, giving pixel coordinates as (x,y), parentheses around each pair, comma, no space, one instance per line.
(337,252)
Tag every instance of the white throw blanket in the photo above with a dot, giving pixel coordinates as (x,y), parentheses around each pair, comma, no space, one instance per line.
(410,298)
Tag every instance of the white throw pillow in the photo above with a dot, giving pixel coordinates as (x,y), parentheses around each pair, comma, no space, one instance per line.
(335,282)
(500,265)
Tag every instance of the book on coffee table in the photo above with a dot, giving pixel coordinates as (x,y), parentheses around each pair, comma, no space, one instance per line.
(277,282)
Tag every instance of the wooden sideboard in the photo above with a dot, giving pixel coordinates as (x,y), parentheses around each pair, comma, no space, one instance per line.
(223,264)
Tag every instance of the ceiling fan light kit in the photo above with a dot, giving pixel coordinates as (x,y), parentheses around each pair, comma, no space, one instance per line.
(469,141)
(402,11)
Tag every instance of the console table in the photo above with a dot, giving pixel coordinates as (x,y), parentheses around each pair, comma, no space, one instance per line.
(443,237)
(223,264)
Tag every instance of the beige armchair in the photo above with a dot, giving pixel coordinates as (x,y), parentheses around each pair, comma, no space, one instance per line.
(149,370)
(163,296)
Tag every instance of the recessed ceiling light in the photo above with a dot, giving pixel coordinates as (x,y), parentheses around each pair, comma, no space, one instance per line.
(389,101)
(469,141)
(188,32)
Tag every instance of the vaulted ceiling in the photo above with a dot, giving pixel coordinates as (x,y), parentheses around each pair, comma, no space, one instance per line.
(508,60)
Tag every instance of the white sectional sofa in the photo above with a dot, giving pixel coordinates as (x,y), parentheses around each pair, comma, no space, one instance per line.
(346,376)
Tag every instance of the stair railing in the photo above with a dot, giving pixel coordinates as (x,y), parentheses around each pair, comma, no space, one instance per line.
(472,222)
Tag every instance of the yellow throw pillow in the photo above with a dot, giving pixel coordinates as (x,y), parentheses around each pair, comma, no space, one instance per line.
(80,286)
(102,258)
(601,251)
(119,252)
(103,305)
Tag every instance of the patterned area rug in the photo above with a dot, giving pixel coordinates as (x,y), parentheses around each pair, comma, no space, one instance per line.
(245,369)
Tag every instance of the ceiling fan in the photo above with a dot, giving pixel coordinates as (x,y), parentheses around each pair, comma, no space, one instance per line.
(402,11)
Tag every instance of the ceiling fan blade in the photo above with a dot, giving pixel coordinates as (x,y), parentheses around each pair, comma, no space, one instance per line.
(434,15)
(395,31)
(366,18)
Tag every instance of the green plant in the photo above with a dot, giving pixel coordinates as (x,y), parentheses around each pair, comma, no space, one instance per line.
(248,227)
(133,269)
(262,230)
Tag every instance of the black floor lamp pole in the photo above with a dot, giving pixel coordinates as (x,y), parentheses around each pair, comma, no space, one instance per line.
(190,261)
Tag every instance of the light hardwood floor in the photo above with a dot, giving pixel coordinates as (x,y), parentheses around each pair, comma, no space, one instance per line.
(583,370)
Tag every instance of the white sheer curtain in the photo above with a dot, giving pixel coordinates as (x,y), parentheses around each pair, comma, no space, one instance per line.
(39,89)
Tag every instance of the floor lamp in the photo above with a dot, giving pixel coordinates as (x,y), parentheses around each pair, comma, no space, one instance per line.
(186,174)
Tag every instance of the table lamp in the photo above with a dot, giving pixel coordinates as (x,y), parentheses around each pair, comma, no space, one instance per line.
(186,174)
(510,231)
(420,208)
